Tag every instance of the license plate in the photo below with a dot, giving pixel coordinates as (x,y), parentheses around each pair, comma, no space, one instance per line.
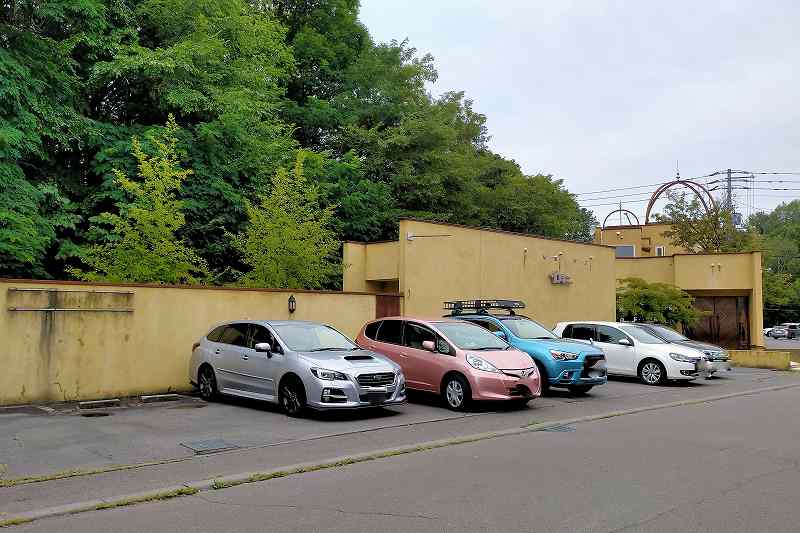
(376,397)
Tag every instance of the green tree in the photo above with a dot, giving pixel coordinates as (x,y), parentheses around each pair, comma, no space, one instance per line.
(661,303)
(142,245)
(693,228)
(289,242)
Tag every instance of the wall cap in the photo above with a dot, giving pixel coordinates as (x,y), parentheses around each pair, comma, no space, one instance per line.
(501,231)
(201,287)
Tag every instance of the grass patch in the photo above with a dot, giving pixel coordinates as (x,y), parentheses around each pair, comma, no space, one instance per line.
(15,522)
(219,484)
(64,474)
(160,496)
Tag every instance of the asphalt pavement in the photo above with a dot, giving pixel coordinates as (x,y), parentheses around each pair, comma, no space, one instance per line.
(729,465)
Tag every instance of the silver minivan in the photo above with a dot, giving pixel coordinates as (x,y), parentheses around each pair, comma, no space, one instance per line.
(296,364)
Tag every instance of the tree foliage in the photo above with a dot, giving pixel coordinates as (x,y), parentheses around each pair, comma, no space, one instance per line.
(142,245)
(252,85)
(289,242)
(698,230)
(661,303)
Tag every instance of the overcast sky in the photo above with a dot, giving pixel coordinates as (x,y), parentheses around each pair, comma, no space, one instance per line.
(610,94)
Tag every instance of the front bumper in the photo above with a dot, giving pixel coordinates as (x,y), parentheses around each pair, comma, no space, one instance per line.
(325,395)
(712,367)
(492,386)
(684,371)
(590,371)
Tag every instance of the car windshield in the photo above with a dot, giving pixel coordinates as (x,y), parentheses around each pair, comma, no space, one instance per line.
(471,337)
(525,328)
(642,335)
(312,338)
(668,334)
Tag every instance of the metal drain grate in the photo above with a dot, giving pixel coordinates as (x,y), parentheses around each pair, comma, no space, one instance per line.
(558,429)
(201,447)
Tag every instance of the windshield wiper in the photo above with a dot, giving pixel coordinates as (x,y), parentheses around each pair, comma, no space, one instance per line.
(488,348)
(330,349)
(537,338)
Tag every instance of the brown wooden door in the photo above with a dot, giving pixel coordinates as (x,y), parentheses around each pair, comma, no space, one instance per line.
(387,306)
(725,323)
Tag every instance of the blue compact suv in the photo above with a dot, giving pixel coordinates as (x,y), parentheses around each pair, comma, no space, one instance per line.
(574,365)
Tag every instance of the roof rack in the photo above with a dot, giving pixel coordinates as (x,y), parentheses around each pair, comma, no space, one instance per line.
(456,307)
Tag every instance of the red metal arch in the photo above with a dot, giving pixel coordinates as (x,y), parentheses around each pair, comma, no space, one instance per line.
(693,186)
(627,214)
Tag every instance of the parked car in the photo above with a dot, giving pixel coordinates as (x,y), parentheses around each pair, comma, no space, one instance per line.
(716,358)
(779,332)
(631,350)
(561,363)
(294,363)
(767,332)
(458,360)
(792,330)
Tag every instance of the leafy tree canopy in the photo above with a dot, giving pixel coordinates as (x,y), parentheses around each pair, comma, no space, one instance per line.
(252,84)
(638,300)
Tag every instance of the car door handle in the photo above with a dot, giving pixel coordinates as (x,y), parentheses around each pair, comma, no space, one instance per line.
(245,356)
(403,354)
(217,351)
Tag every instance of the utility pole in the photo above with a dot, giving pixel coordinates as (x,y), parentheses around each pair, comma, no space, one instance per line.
(729,197)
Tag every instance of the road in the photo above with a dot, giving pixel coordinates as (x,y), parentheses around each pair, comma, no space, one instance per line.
(726,465)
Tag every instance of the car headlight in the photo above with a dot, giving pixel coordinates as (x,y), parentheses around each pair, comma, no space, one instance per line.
(683,358)
(481,364)
(563,356)
(328,375)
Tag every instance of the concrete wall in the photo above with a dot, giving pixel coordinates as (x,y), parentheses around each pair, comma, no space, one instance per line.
(446,262)
(761,359)
(128,340)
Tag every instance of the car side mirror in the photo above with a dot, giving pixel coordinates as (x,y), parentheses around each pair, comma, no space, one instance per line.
(625,342)
(501,334)
(264,347)
(429,345)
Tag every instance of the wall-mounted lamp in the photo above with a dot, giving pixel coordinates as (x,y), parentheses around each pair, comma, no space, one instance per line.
(292,304)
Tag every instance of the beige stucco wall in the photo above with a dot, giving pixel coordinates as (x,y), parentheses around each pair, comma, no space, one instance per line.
(78,355)
(446,262)
(382,261)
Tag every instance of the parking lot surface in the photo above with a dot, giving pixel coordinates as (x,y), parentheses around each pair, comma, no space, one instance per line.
(151,440)
(727,465)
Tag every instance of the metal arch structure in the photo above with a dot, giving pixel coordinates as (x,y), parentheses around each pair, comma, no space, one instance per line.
(698,189)
(628,214)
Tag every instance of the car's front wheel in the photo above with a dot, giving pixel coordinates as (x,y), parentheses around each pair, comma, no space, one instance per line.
(652,372)
(292,397)
(207,383)
(456,392)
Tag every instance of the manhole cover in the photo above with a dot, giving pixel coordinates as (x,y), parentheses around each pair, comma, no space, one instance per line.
(559,429)
(201,447)
(94,415)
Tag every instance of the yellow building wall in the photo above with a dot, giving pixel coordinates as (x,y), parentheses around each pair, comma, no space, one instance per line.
(382,261)
(354,266)
(89,354)
(707,274)
(644,238)
(446,262)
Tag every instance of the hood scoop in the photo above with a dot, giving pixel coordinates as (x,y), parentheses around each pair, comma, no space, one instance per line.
(358,358)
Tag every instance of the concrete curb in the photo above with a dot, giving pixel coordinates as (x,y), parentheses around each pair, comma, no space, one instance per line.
(223,482)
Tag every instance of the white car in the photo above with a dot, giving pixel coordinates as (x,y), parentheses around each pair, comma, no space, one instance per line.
(632,351)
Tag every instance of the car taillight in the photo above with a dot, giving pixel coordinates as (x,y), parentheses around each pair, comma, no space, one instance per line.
(195,346)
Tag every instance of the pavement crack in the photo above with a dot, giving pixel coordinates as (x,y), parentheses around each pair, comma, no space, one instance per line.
(319,508)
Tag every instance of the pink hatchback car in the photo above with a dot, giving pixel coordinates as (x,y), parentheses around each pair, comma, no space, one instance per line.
(459,360)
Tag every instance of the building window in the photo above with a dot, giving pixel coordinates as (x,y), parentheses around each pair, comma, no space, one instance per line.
(661,251)
(626,250)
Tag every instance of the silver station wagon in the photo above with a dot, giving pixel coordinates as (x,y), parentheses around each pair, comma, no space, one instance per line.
(294,363)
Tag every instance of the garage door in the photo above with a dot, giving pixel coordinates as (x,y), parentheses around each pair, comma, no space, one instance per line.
(726,322)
